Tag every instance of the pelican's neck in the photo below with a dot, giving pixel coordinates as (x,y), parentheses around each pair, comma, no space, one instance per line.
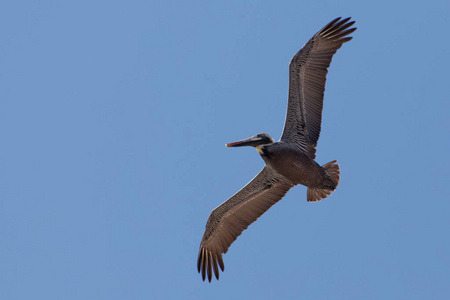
(259,149)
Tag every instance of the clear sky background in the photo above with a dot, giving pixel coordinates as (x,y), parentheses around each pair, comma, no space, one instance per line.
(113,121)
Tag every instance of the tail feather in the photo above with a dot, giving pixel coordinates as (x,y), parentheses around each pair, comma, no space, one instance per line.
(317,194)
(332,169)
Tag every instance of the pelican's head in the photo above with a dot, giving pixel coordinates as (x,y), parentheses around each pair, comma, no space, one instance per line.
(255,141)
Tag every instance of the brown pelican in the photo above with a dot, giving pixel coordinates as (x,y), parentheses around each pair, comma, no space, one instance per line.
(290,161)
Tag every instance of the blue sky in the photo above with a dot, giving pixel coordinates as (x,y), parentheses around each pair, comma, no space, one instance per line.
(113,121)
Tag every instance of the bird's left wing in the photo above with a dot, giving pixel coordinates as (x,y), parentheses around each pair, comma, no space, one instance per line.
(307,76)
(228,220)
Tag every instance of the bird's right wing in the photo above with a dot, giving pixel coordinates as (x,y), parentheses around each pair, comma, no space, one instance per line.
(228,220)
(307,76)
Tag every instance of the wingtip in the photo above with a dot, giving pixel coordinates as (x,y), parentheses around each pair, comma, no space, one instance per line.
(203,264)
(209,263)
(199,260)
(221,264)
(338,29)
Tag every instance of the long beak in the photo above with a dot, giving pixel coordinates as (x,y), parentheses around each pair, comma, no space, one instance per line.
(252,141)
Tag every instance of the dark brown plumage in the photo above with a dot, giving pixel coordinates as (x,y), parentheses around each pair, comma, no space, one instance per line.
(289,161)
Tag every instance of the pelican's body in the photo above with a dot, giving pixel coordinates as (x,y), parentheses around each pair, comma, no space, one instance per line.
(290,161)
(299,168)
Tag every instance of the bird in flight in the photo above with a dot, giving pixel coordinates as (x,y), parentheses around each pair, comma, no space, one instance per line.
(290,161)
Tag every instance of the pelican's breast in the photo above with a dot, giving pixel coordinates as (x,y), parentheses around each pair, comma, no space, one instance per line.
(292,164)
